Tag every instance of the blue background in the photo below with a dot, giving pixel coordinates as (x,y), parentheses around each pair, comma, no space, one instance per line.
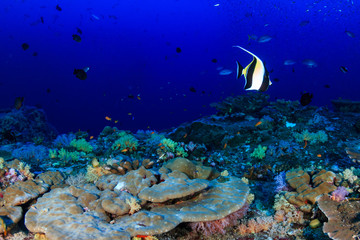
(131,49)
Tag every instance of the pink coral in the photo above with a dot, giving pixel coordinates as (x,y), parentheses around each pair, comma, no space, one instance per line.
(218,226)
(339,194)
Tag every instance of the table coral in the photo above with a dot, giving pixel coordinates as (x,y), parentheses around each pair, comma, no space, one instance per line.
(343,223)
(81,211)
(175,185)
(191,169)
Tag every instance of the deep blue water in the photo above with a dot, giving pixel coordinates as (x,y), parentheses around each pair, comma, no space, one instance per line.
(130,48)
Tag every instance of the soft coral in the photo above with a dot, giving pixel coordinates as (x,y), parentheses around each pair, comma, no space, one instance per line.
(218,226)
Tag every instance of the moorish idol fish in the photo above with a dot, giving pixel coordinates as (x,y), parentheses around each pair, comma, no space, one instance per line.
(256,75)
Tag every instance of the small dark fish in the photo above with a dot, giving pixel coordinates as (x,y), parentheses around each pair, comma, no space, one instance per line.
(58,8)
(48,90)
(350,34)
(276,80)
(192,89)
(202,92)
(35,54)
(76,38)
(78,30)
(25,46)
(326,86)
(35,23)
(80,74)
(113,17)
(42,19)
(178,50)
(166,57)
(214,60)
(344,69)
(293,70)
(306,98)
(304,23)
(18,102)
(131,96)
(248,14)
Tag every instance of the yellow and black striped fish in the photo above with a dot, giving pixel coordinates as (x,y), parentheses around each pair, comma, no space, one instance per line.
(256,75)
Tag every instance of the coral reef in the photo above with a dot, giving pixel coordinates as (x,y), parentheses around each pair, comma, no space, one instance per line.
(31,151)
(342,105)
(249,103)
(81,211)
(24,125)
(122,185)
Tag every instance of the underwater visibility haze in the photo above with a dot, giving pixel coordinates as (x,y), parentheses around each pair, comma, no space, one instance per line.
(179,119)
(171,54)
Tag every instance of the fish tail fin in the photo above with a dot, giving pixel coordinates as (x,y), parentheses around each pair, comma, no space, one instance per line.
(249,37)
(239,70)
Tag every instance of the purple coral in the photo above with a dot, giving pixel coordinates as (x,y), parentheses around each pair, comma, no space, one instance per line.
(339,194)
(218,226)
(190,146)
(280,181)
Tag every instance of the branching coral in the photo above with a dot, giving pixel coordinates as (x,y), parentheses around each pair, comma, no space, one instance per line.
(24,169)
(169,149)
(63,140)
(134,205)
(274,225)
(94,173)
